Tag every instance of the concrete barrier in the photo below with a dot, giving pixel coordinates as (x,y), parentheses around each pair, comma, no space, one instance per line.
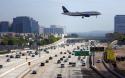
(111,71)
(94,69)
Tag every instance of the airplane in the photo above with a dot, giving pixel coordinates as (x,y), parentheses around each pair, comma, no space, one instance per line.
(83,14)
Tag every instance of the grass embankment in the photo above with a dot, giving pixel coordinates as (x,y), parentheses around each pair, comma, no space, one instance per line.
(3,52)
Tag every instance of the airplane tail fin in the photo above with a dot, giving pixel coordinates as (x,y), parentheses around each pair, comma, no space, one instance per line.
(64,9)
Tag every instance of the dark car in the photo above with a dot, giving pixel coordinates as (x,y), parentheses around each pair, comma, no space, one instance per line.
(61,59)
(50,58)
(60,52)
(1,66)
(59,75)
(34,72)
(42,64)
(64,52)
(23,54)
(11,56)
(73,64)
(55,55)
(47,61)
(69,56)
(36,53)
(63,56)
(7,55)
(33,55)
(83,64)
(62,65)
(8,60)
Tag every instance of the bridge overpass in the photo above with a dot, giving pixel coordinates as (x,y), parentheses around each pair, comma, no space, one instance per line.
(70,40)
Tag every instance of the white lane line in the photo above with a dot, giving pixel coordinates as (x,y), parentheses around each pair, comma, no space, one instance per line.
(3,74)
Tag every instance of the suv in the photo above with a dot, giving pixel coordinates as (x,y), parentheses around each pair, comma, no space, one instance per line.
(62,65)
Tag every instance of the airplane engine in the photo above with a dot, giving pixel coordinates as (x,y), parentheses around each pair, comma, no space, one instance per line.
(87,15)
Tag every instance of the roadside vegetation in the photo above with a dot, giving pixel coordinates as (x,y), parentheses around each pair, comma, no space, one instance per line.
(22,42)
(109,55)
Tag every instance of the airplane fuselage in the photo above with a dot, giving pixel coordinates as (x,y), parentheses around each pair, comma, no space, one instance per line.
(86,14)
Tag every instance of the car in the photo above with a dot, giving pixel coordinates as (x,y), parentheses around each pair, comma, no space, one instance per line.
(63,57)
(62,65)
(73,64)
(60,52)
(47,51)
(70,63)
(98,61)
(70,53)
(8,60)
(11,56)
(58,61)
(17,56)
(69,56)
(42,64)
(47,61)
(34,72)
(23,54)
(55,55)
(65,60)
(36,53)
(59,75)
(50,58)
(83,64)
(1,66)
(33,55)
(7,55)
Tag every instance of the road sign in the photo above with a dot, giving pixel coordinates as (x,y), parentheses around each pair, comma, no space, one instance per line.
(81,53)
(96,49)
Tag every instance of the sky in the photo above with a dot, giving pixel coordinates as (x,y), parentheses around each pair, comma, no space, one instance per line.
(48,12)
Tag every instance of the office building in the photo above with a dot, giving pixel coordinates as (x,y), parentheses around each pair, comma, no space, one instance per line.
(4,26)
(120,24)
(25,24)
(54,30)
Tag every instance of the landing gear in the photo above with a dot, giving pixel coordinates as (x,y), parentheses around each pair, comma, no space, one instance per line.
(82,17)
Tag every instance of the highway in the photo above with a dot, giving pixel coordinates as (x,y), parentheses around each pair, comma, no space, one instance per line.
(51,69)
(19,68)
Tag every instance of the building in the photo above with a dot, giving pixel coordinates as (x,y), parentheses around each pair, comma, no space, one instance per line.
(54,30)
(119,24)
(4,26)
(25,24)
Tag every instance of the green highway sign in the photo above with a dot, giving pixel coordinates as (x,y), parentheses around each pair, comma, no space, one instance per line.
(81,53)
